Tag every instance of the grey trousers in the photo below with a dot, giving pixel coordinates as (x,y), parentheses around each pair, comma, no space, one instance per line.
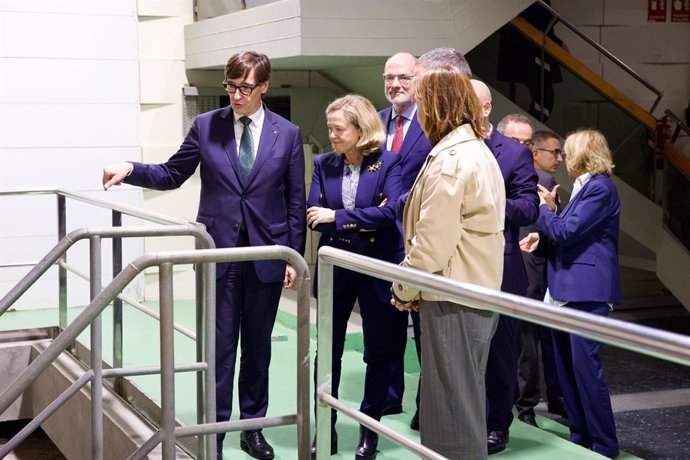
(455,347)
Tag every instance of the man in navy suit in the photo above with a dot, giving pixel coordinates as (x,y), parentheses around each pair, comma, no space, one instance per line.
(522,201)
(405,137)
(547,154)
(252,194)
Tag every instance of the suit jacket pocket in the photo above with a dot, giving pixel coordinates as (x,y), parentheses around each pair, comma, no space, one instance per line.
(585,259)
(207,221)
(279,228)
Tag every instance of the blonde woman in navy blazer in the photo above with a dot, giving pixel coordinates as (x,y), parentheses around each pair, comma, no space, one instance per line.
(365,224)
(582,273)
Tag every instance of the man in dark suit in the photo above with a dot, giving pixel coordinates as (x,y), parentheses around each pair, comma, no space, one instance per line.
(252,194)
(405,137)
(517,167)
(546,152)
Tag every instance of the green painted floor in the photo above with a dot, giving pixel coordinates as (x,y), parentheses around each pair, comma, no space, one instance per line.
(141,349)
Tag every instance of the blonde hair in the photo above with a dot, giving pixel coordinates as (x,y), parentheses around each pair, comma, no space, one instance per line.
(588,152)
(447,100)
(362,114)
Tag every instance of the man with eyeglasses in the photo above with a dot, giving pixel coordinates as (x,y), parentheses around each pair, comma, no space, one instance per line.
(252,194)
(405,137)
(522,208)
(546,153)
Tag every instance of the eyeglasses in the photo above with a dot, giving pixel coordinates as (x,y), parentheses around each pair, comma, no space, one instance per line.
(527,142)
(555,152)
(404,80)
(245,90)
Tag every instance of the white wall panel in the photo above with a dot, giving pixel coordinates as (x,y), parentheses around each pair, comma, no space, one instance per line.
(73,168)
(69,125)
(68,36)
(68,81)
(73,7)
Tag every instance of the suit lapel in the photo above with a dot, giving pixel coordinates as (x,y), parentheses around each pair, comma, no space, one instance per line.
(229,142)
(414,132)
(332,177)
(269,136)
(369,175)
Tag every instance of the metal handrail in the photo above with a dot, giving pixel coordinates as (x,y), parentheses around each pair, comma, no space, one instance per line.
(603,51)
(165,261)
(133,211)
(659,344)
(95,236)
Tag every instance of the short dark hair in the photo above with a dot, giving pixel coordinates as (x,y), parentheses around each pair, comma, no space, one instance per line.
(445,56)
(240,64)
(539,137)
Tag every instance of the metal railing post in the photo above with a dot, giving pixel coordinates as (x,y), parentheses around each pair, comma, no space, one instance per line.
(62,272)
(167,353)
(200,314)
(96,353)
(324,367)
(303,365)
(117,303)
(208,279)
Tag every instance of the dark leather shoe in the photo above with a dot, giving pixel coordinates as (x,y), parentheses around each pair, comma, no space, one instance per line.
(392,410)
(414,423)
(254,443)
(557,406)
(497,441)
(368,441)
(334,444)
(529,419)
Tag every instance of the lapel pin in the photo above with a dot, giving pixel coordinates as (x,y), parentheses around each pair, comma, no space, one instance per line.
(375,167)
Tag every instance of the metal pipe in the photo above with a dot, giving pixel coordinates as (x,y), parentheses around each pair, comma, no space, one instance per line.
(116,220)
(68,240)
(641,339)
(324,347)
(380,428)
(303,364)
(131,301)
(62,274)
(42,416)
(150,444)
(167,352)
(247,424)
(96,353)
(149,370)
(199,315)
(209,338)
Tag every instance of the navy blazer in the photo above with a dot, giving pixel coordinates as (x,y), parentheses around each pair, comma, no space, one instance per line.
(414,149)
(270,205)
(368,229)
(582,244)
(522,203)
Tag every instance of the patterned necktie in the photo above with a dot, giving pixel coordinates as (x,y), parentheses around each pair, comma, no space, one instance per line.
(246,153)
(398,138)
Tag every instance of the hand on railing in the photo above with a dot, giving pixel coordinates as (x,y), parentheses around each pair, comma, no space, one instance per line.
(115,174)
(290,277)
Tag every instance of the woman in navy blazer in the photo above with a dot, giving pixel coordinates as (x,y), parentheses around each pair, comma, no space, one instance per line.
(349,205)
(582,273)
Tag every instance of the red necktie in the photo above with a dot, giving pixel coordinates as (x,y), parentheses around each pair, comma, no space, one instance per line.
(398,138)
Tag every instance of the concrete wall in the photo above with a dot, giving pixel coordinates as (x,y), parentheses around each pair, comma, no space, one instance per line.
(658,51)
